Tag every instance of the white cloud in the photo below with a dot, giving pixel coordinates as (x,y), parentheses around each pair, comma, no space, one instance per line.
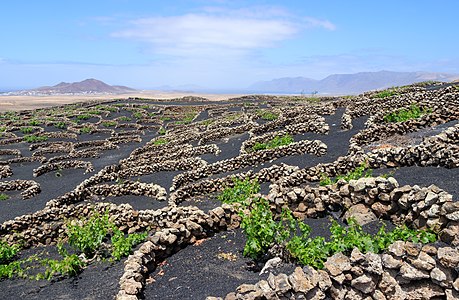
(218,31)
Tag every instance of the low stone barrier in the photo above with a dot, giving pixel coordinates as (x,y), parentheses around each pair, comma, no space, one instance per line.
(71,164)
(130,188)
(30,187)
(405,271)
(315,147)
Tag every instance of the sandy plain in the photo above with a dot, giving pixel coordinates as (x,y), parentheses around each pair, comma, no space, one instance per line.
(15,103)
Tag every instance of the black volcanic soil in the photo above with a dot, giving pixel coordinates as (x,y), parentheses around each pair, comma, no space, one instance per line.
(197,270)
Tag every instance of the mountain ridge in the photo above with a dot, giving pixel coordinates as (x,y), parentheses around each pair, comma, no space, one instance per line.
(87,86)
(348,83)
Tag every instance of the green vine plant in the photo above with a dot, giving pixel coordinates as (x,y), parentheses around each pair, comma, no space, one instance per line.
(263,233)
(276,142)
(362,171)
(240,191)
(402,115)
(94,238)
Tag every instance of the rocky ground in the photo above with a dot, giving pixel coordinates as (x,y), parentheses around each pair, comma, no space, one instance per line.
(158,166)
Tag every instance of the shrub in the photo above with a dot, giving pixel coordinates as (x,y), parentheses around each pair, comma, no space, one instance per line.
(314,252)
(402,115)
(34,122)
(89,236)
(70,265)
(4,197)
(161,141)
(7,252)
(60,125)
(278,141)
(109,123)
(386,93)
(86,129)
(137,115)
(259,228)
(34,138)
(359,172)
(83,117)
(124,118)
(122,245)
(26,130)
(162,131)
(241,190)
(263,232)
(267,115)
(94,112)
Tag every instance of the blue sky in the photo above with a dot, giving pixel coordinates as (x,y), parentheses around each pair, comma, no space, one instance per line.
(220,44)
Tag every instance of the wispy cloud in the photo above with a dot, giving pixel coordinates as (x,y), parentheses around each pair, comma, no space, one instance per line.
(219,31)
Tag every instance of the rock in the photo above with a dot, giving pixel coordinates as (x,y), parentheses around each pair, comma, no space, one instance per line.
(337,264)
(450,234)
(451,294)
(357,256)
(300,282)
(292,196)
(409,272)
(374,264)
(245,288)
(456,284)
(231,296)
(390,287)
(380,209)
(147,247)
(266,290)
(430,198)
(315,294)
(270,264)
(122,295)
(378,295)
(339,278)
(353,294)
(361,214)
(364,283)
(448,257)
(324,280)
(424,262)
(357,185)
(131,287)
(449,207)
(437,275)
(423,290)
(338,292)
(412,249)
(390,262)
(397,248)
(279,283)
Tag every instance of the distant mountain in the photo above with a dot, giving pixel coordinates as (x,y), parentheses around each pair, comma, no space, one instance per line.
(347,83)
(88,86)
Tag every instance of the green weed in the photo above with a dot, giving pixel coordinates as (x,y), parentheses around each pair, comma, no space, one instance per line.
(274,143)
(359,172)
(161,141)
(26,130)
(109,123)
(34,138)
(241,190)
(162,131)
(267,115)
(402,115)
(85,129)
